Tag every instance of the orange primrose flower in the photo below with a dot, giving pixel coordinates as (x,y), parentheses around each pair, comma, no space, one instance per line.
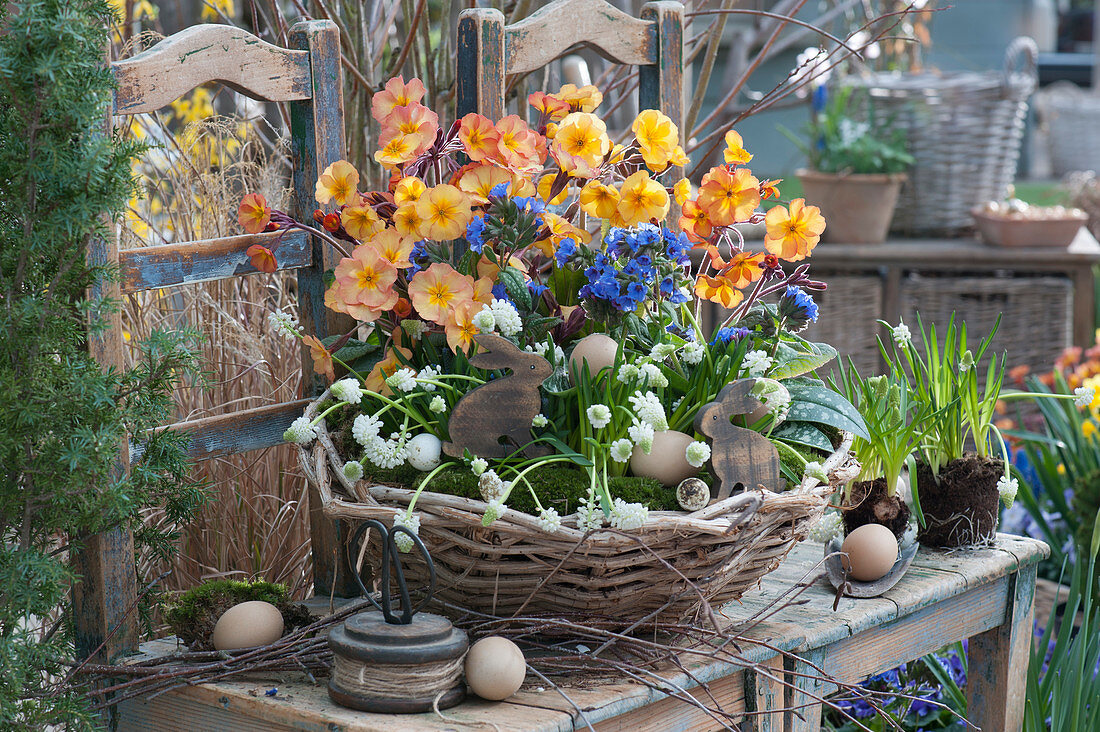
(409,188)
(387,367)
(769,189)
(262,258)
(681,191)
(599,200)
(254,214)
(549,106)
(718,290)
(695,223)
(792,235)
(743,269)
(545,186)
(394,247)
(460,326)
(478,136)
(483,286)
(478,180)
(338,184)
(361,222)
(729,198)
(415,119)
(322,359)
(585,99)
(519,148)
(444,212)
(642,199)
(396,94)
(366,278)
(735,152)
(437,289)
(407,220)
(580,143)
(398,150)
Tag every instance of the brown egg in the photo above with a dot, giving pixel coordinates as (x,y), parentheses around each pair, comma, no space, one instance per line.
(248,625)
(597,350)
(872,550)
(495,668)
(666,462)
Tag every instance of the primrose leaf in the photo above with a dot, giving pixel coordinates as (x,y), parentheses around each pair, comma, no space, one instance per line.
(814,402)
(352,349)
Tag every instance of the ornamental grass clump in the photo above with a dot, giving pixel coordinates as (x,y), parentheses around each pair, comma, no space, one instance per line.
(497,250)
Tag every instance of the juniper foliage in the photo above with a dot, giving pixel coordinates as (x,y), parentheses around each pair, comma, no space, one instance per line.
(63,180)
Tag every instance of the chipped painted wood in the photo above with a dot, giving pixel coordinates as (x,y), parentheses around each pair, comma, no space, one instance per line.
(147,268)
(317,140)
(540,38)
(205,53)
(480,62)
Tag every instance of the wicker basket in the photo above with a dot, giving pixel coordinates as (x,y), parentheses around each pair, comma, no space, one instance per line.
(628,577)
(965,131)
(1071,116)
(846,318)
(1036,312)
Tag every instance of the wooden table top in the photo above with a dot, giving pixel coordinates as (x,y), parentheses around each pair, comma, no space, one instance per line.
(934,577)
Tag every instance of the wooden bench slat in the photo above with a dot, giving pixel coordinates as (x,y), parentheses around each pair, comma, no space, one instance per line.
(147,268)
(243,431)
(539,38)
(209,52)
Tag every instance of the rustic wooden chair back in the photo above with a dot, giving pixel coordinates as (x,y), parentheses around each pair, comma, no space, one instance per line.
(489,50)
(307,76)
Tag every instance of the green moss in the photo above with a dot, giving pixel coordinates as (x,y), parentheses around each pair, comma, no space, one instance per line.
(557,487)
(194,613)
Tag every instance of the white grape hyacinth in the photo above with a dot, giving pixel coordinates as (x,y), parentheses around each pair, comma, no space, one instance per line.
(484,320)
(1084,396)
(347,390)
(654,376)
(1007,488)
(437,405)
(901,334)
(491,486)
(507,318)
(649,409)
(549,520)
(641,434)
(493,511)
(366,428)
(353,470)
(300,431)
(599,416)
(693,353)
(697,453)
(757,363)
(401,540)
(284,324)
(628,516)
(403,379)
(589,516)
(621,450)
(428,373)
(826,528)
(478,466)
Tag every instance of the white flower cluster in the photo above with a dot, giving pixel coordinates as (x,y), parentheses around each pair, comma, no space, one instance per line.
(493,511)
(628,516)
(491,486)
(478,465)
(403,379)
(505,318)
(827,527)
(539,420)
(621,450)
(649,409)
(661,351)
(549,520)
(353,470)
(543,349)
(693,353)
(628,372)
(428,372)
(641,434)
(589,516)
(901,334)
(347,390)
(757,363)
(654,376)
(388,454)
(814,469)
(401,540)
(599,415)
(1084,395)
(414,327)
(1006,488)
(437,405)
(284,324)
(365,428)
(300,431)
(697,453)
(812,63)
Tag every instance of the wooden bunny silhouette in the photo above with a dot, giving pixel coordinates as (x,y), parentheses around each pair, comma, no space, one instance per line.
(738,456)
(504,407)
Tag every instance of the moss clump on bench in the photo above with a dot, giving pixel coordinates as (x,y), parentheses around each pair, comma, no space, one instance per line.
(193,615)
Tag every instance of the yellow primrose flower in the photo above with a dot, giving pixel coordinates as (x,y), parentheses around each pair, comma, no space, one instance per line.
(735,152)
(361,221)
(1088,429)
(338,184)
(444,212)
(642,199)
(599,200)
(409,188)
(580,144)
(682,191)
(544,188)
(658,138)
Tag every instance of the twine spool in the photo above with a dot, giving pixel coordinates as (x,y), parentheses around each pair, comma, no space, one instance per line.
(397,669)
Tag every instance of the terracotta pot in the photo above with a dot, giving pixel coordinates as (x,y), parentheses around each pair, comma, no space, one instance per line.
(1006,232)
(857,206)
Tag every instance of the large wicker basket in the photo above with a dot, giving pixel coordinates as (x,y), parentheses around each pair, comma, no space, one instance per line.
(513,566)
(1071,116)
(964,129)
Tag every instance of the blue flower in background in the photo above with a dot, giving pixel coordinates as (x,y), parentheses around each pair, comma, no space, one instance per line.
(565,252)
(500,190)
(537,288)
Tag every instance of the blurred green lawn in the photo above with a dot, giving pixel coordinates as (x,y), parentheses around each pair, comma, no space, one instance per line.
(1044,193)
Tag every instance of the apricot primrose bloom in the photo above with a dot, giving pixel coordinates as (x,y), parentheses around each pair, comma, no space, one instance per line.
(735,152)
(580,143)
(695,223)
(337,184)
(394,247)
(322,359)
(396,94)
(642,199)
(262,258)
(409,188)
(792,234)
(361,221)
(444,212)
(599,200)
(398,150)
(549,107)
(436,290)
(770,189)
(460,328)
(743,269)
(657,136)
(519,148)
(584,99)
(545,190)
(718,290)
(478,181)
(364,283)
(415,119)
(254,214)
(729,197)
(681,191)
(478,136)
(387,367)
(406,220)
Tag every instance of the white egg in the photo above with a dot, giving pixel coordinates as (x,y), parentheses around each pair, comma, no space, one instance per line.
(597,350)
(248,625)
(871,552)
(424,451)
(666,461)
(495,668)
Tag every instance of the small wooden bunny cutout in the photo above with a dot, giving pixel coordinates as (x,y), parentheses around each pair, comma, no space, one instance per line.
(738,456)
(503,408)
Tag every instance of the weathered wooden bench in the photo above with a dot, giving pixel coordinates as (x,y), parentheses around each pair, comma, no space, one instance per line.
(982,594)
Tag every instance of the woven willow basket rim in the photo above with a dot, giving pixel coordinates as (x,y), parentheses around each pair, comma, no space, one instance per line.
(322,460)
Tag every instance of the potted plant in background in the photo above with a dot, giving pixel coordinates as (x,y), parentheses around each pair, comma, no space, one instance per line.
(855,174)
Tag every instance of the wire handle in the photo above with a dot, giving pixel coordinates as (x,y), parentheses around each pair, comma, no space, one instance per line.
(1022,53)
(391,556)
